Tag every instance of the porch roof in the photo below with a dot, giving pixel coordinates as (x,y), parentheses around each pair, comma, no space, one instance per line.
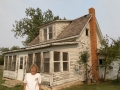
(41,46)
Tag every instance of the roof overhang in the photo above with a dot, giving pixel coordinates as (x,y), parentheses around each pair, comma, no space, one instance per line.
(42,46)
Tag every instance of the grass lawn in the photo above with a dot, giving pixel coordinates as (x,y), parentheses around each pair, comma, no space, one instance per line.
(111,85)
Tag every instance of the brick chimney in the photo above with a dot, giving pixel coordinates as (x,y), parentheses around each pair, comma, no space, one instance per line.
(93,41)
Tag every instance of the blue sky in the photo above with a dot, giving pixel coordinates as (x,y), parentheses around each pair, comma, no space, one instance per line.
(107,13)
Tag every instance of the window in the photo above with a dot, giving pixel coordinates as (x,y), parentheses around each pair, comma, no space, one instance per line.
(10,63)
(87,30)
(50,33)
(29,61)
(38,60)
(21,63)
(6,62)
(14,63)
(56,61)
(45,34)
(100,61)
(65,61)
(46,61)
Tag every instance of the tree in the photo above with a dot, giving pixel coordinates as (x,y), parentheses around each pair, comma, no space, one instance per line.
(110,50)
(29,26)
(3,49)
(83,60)
(14,48)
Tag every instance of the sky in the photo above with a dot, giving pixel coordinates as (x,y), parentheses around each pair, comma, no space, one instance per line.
(107,14)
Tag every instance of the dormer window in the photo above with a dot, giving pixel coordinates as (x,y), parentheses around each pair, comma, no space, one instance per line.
(48,33)
(45,34)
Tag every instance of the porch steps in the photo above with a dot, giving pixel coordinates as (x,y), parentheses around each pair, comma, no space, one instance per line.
(12,83)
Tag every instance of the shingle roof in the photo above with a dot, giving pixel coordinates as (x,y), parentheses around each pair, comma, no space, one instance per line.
(75,27)
(34,41)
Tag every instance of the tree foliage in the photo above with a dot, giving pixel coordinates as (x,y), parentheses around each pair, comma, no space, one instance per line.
(83,60)
(110,50)
(28,26)
(15,48)
(4,49)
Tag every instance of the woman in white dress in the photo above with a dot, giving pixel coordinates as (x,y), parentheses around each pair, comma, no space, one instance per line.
(32,80)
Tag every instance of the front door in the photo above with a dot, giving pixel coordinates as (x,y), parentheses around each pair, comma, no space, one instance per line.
(20,68)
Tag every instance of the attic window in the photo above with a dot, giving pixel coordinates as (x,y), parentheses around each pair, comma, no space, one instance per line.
(50,33)
(87,30)
(45,34)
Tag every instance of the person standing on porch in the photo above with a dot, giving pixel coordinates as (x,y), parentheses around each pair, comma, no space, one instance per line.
(32,80)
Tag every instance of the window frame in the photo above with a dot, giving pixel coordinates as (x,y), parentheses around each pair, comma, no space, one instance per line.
(38,61)
(10,64)
(56,61)
(29,63)
(50,32)
(65,61)
(14,62)
(45,34)
(21,64)
(44,62)
(87,32)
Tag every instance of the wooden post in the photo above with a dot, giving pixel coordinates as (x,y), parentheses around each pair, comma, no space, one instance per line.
(42,63)
(8,64)
(51,67)
(33,61)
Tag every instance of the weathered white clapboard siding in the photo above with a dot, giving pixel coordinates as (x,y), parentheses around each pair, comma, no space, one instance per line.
(111,74)
(9,74)
(45,78)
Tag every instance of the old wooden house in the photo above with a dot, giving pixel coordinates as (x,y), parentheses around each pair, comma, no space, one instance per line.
(56,51)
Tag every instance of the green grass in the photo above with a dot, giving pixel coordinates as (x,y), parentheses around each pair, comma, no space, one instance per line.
(109,85)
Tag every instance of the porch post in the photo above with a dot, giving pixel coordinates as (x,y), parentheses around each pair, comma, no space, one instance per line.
(4,63)
(51,62)
(8,64)
(33,61)
(42,65)
(51,67)
(12,63)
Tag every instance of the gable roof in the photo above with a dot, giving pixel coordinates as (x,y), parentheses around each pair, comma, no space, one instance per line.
(75,27)
(34,41)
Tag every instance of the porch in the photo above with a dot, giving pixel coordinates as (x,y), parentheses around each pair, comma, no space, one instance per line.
(54,66)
